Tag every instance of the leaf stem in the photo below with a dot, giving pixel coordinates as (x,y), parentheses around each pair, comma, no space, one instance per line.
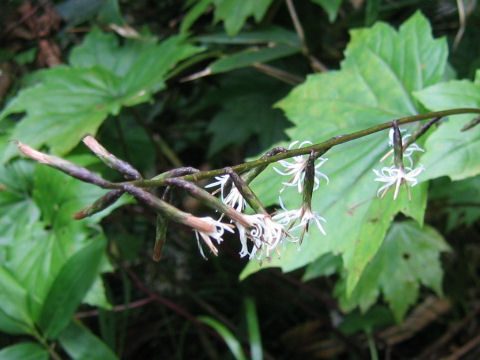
(46,345)
(316,64)
(320,147)
(371,345)
(279,74)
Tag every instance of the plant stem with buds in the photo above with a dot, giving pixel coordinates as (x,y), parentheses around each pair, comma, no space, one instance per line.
(320,147)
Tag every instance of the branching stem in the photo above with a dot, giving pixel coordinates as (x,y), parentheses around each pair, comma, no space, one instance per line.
(320,147)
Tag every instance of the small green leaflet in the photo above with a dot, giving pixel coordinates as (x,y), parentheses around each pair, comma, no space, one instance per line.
(456,199)
(80,343)
(17,209)
(381,69)
(233,13)
(15,315)
(232,342)
(409,257)
(330,6)
(24,351)
(72,101)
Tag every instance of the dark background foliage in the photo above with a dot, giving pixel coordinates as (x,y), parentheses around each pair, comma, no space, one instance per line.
(220,120)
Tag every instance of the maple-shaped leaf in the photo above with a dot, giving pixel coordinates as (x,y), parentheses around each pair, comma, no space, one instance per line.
(374,85)
(409,257)
(72,101)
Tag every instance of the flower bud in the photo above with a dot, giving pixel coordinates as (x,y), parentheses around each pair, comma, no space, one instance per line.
(65,166)
(160,237)
(111,160)
(100,204)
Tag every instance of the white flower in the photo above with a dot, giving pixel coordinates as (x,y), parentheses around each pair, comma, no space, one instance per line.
(309,216)
(234,197)
(288,218)
(215,235)
(393,175)
(408,152)
(265,234)
(296,169)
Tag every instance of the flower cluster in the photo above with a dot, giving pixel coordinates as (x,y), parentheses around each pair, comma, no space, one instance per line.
(296,169)
(409,150)
(289,218)
(261,234)
(216,233)
(234,198)
(399,174)
(264,233)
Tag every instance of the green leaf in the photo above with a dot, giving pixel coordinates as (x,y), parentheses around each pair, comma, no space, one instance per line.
(81,344)
(24,351)
(72,101)
(355,321)
(330,6)
(408,257)
(17,209)
(70,287)
(415,58)
(37,252)
(27,56)
(450,151)
(15,316)
(326,265)
(35,258)
(59,196)
(75,12)
(264,36)
(193,14)
(246,106)
(371,11)
(232,343)
(381,69)
(103,50)
(234,13)
(96,295)
(459,200)
(68,104)
(254,334)
(110,13)
(277,43)
(251,56)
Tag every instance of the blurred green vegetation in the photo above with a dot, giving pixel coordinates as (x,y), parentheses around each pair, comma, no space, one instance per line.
(208,84)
